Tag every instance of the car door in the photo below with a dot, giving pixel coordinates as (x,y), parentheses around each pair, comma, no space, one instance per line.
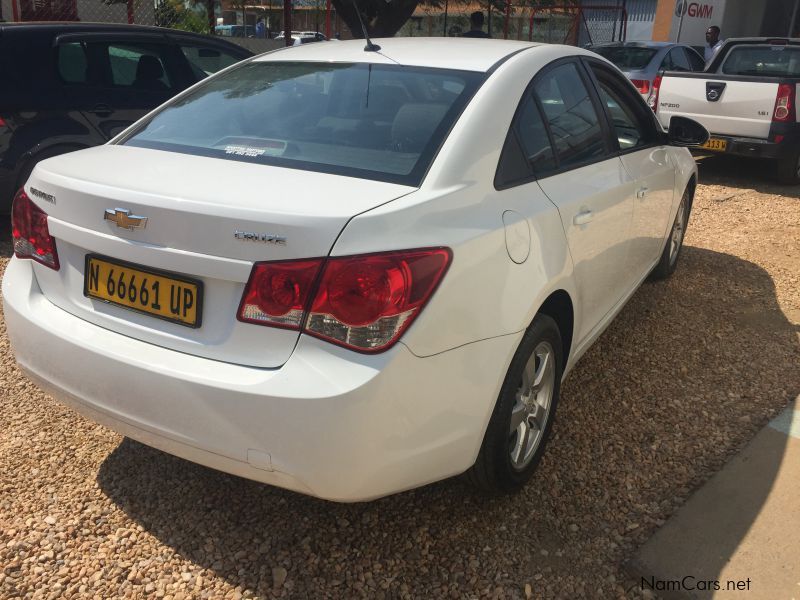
(676,60)
(115,80)
(695,60)
(587,182)
(646,160)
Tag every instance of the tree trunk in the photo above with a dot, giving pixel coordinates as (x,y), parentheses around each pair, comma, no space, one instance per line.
(381,18)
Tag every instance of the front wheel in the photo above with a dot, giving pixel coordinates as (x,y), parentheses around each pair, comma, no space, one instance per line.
(523,415)
(672,250)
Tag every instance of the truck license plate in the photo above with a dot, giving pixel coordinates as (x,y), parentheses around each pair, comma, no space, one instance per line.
(716,144)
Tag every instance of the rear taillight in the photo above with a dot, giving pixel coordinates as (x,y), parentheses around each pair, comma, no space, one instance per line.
(2,122)
(32,238)
(360,302)
(277,294)
(643,85)
(652,99)
(784,104)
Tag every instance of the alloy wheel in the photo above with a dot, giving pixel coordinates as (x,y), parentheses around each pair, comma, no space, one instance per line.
(678,230)
(531,409)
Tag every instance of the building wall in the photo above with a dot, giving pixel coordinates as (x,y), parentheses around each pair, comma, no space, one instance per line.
(743,19)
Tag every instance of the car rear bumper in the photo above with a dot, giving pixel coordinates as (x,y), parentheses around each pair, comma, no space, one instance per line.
(330,422)
(758,148)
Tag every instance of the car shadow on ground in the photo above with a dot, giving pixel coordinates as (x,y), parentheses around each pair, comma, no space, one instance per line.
(743,173)
(682,379)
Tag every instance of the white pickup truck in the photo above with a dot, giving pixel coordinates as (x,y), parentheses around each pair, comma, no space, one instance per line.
(746,98)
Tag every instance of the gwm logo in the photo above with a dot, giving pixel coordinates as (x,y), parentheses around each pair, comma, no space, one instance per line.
(693,9)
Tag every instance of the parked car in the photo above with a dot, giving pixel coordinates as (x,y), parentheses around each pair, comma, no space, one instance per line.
(747,99)
(473,216)
(72,85)
(642,61)
(303,37)
(235,30)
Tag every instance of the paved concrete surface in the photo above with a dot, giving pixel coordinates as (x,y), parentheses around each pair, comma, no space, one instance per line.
(739,535)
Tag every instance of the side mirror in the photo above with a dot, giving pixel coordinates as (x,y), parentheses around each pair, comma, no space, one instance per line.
(686,132)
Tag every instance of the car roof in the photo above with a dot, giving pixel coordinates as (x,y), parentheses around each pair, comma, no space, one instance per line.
(467,54)
(636,45)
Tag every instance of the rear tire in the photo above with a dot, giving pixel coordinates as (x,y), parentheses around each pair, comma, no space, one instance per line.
(523,416)
(789,168)
(672,249)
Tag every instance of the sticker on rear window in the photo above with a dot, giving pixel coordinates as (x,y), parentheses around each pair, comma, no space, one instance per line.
(251,147)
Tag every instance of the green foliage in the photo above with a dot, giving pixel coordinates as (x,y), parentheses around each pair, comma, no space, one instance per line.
(177,15)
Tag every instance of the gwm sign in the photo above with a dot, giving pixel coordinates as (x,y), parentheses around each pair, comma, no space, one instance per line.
(693,9)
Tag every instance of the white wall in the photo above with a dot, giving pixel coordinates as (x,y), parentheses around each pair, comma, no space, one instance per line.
(639,31)
(689,25)
(743,19)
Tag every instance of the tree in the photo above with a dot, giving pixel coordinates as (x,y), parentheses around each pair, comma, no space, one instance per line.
(381,18)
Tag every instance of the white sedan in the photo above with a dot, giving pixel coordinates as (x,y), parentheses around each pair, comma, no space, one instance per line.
(350,273)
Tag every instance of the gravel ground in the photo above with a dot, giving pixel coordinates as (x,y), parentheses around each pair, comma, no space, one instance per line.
(690,370)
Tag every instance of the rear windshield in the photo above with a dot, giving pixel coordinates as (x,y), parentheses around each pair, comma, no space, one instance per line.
(382,122)
(764,61)
(627,59)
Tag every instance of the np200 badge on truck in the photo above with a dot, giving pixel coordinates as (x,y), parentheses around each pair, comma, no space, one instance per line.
(266,238)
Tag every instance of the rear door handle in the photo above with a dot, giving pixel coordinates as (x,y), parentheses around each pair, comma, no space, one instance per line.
(582,218)
(641,192)
(101,110)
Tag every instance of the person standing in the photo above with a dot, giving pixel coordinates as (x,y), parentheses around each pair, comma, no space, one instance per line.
(261,30)
(476,25)
(713,41)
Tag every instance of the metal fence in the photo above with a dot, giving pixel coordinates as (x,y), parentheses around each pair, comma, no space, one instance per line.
(251,25)
(577,25)
(237,24)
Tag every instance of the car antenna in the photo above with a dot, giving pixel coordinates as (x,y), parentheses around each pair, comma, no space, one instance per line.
(370,47)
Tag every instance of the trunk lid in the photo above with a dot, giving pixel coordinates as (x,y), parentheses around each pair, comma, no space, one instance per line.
(743,108)
(194,206)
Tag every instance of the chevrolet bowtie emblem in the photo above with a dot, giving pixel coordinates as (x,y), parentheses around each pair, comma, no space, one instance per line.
(124,219)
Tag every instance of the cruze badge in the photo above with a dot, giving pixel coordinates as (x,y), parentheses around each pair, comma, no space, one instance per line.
(124,219)
(266,238)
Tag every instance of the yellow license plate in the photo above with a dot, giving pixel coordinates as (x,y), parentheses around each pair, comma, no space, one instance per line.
(155,293)
(716,144)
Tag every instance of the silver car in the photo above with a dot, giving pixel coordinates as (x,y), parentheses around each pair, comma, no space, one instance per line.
(642,61)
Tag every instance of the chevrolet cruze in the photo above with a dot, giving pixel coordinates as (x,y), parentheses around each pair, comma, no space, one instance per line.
(350,272)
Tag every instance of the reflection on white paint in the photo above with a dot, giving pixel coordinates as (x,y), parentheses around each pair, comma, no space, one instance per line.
(788,422)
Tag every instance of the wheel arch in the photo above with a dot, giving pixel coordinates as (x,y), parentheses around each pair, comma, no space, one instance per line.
(559,307)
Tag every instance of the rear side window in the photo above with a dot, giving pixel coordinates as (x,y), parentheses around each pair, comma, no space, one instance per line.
(763,60)
(698,64)
(627,58)
(379,122)
(138,67)
(677,61)
(123,65)
(206,61)
(571,116)
(72,62)
(527,149)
